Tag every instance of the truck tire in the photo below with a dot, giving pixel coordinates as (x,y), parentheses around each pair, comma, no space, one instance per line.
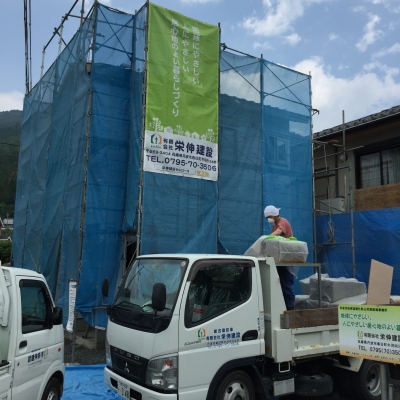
(313,385)
(367,381)
(237,385)
(346,383)
(52,390)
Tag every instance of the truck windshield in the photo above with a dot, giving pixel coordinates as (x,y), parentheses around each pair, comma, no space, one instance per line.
(137,286)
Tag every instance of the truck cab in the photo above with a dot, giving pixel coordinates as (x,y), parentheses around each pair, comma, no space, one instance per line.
(179,349)
(31,338)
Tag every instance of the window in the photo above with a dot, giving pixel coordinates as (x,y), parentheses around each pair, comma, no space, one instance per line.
(278,152)
(36,307)
(217,288)
(379,168)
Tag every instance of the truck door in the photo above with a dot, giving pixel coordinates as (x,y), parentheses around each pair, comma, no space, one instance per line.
(5,380)
(34,338)
(5,365)
(218,323)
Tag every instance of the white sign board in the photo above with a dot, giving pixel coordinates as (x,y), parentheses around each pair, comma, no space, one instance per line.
(71,301)
(370,332)
(186,155)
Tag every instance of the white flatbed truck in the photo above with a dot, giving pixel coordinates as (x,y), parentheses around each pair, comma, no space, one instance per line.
(203,327)
(31,338)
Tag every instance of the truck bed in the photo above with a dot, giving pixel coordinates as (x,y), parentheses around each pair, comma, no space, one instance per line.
(291,335)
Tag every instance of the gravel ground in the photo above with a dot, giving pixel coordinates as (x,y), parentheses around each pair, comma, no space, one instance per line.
(83,356)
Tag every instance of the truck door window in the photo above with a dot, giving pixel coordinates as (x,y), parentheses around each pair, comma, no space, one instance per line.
(35,307)
(216,289)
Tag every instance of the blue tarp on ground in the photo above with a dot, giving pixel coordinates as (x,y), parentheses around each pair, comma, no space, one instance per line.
(86,382)
(376,236)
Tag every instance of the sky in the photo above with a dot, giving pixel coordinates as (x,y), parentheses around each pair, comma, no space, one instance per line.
(350,47)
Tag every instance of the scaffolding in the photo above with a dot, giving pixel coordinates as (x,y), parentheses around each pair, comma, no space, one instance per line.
(79,212)
(327,172)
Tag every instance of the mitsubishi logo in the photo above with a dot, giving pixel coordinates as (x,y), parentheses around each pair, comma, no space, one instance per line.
(126,369)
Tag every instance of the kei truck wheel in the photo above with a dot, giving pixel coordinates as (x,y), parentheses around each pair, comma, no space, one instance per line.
(52,390)
(313,385)
(237,385)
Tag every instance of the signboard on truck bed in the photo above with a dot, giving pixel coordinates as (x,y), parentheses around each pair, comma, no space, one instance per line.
(370,331)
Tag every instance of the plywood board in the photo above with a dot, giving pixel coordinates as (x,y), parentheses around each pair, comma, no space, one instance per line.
(380,283)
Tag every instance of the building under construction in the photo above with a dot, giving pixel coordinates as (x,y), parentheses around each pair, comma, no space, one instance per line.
(86,206)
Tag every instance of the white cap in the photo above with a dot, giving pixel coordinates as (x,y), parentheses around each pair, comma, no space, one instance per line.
(271,211)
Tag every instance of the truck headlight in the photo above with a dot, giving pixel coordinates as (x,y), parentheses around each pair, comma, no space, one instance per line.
(163,373)
(108,354)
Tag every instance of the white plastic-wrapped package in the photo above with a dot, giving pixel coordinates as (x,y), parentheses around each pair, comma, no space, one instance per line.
(305,283)
(255,249)
(315,304)
(303,302)
(359,299)
(335,289)
(290,251)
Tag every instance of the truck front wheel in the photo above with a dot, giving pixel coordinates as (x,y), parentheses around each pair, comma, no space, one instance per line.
(237,385)
(52,390)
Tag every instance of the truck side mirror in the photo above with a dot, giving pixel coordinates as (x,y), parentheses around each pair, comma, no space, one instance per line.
(57,315)
(104,288)
(159,296)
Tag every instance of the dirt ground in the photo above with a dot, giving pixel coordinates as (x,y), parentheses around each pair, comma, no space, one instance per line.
(83,355)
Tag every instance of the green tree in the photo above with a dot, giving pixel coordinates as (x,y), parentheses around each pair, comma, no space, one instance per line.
(10,133)
(5,251)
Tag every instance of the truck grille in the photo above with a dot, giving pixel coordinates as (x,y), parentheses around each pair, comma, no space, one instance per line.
(129,365)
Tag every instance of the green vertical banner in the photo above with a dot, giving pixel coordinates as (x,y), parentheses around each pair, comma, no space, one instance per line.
(181,123)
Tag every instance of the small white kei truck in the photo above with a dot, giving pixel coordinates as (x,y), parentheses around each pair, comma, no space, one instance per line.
(203,327)
(31,338)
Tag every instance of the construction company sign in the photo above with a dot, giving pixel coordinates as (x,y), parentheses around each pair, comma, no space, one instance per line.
(181,122)
(370,332)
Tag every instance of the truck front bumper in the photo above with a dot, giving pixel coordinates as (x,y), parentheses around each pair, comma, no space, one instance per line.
(136,392)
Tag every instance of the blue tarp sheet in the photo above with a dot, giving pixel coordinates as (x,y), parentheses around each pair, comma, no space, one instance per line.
(376,236)
(51,168)
(264,152)
(107,160)
(87,383)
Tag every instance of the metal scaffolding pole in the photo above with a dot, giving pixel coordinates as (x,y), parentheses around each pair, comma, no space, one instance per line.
(82,11)
(140,201)
(84,188)
(327,173)
(60,34)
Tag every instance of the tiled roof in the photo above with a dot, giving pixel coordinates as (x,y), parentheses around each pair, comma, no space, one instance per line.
(358,122)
